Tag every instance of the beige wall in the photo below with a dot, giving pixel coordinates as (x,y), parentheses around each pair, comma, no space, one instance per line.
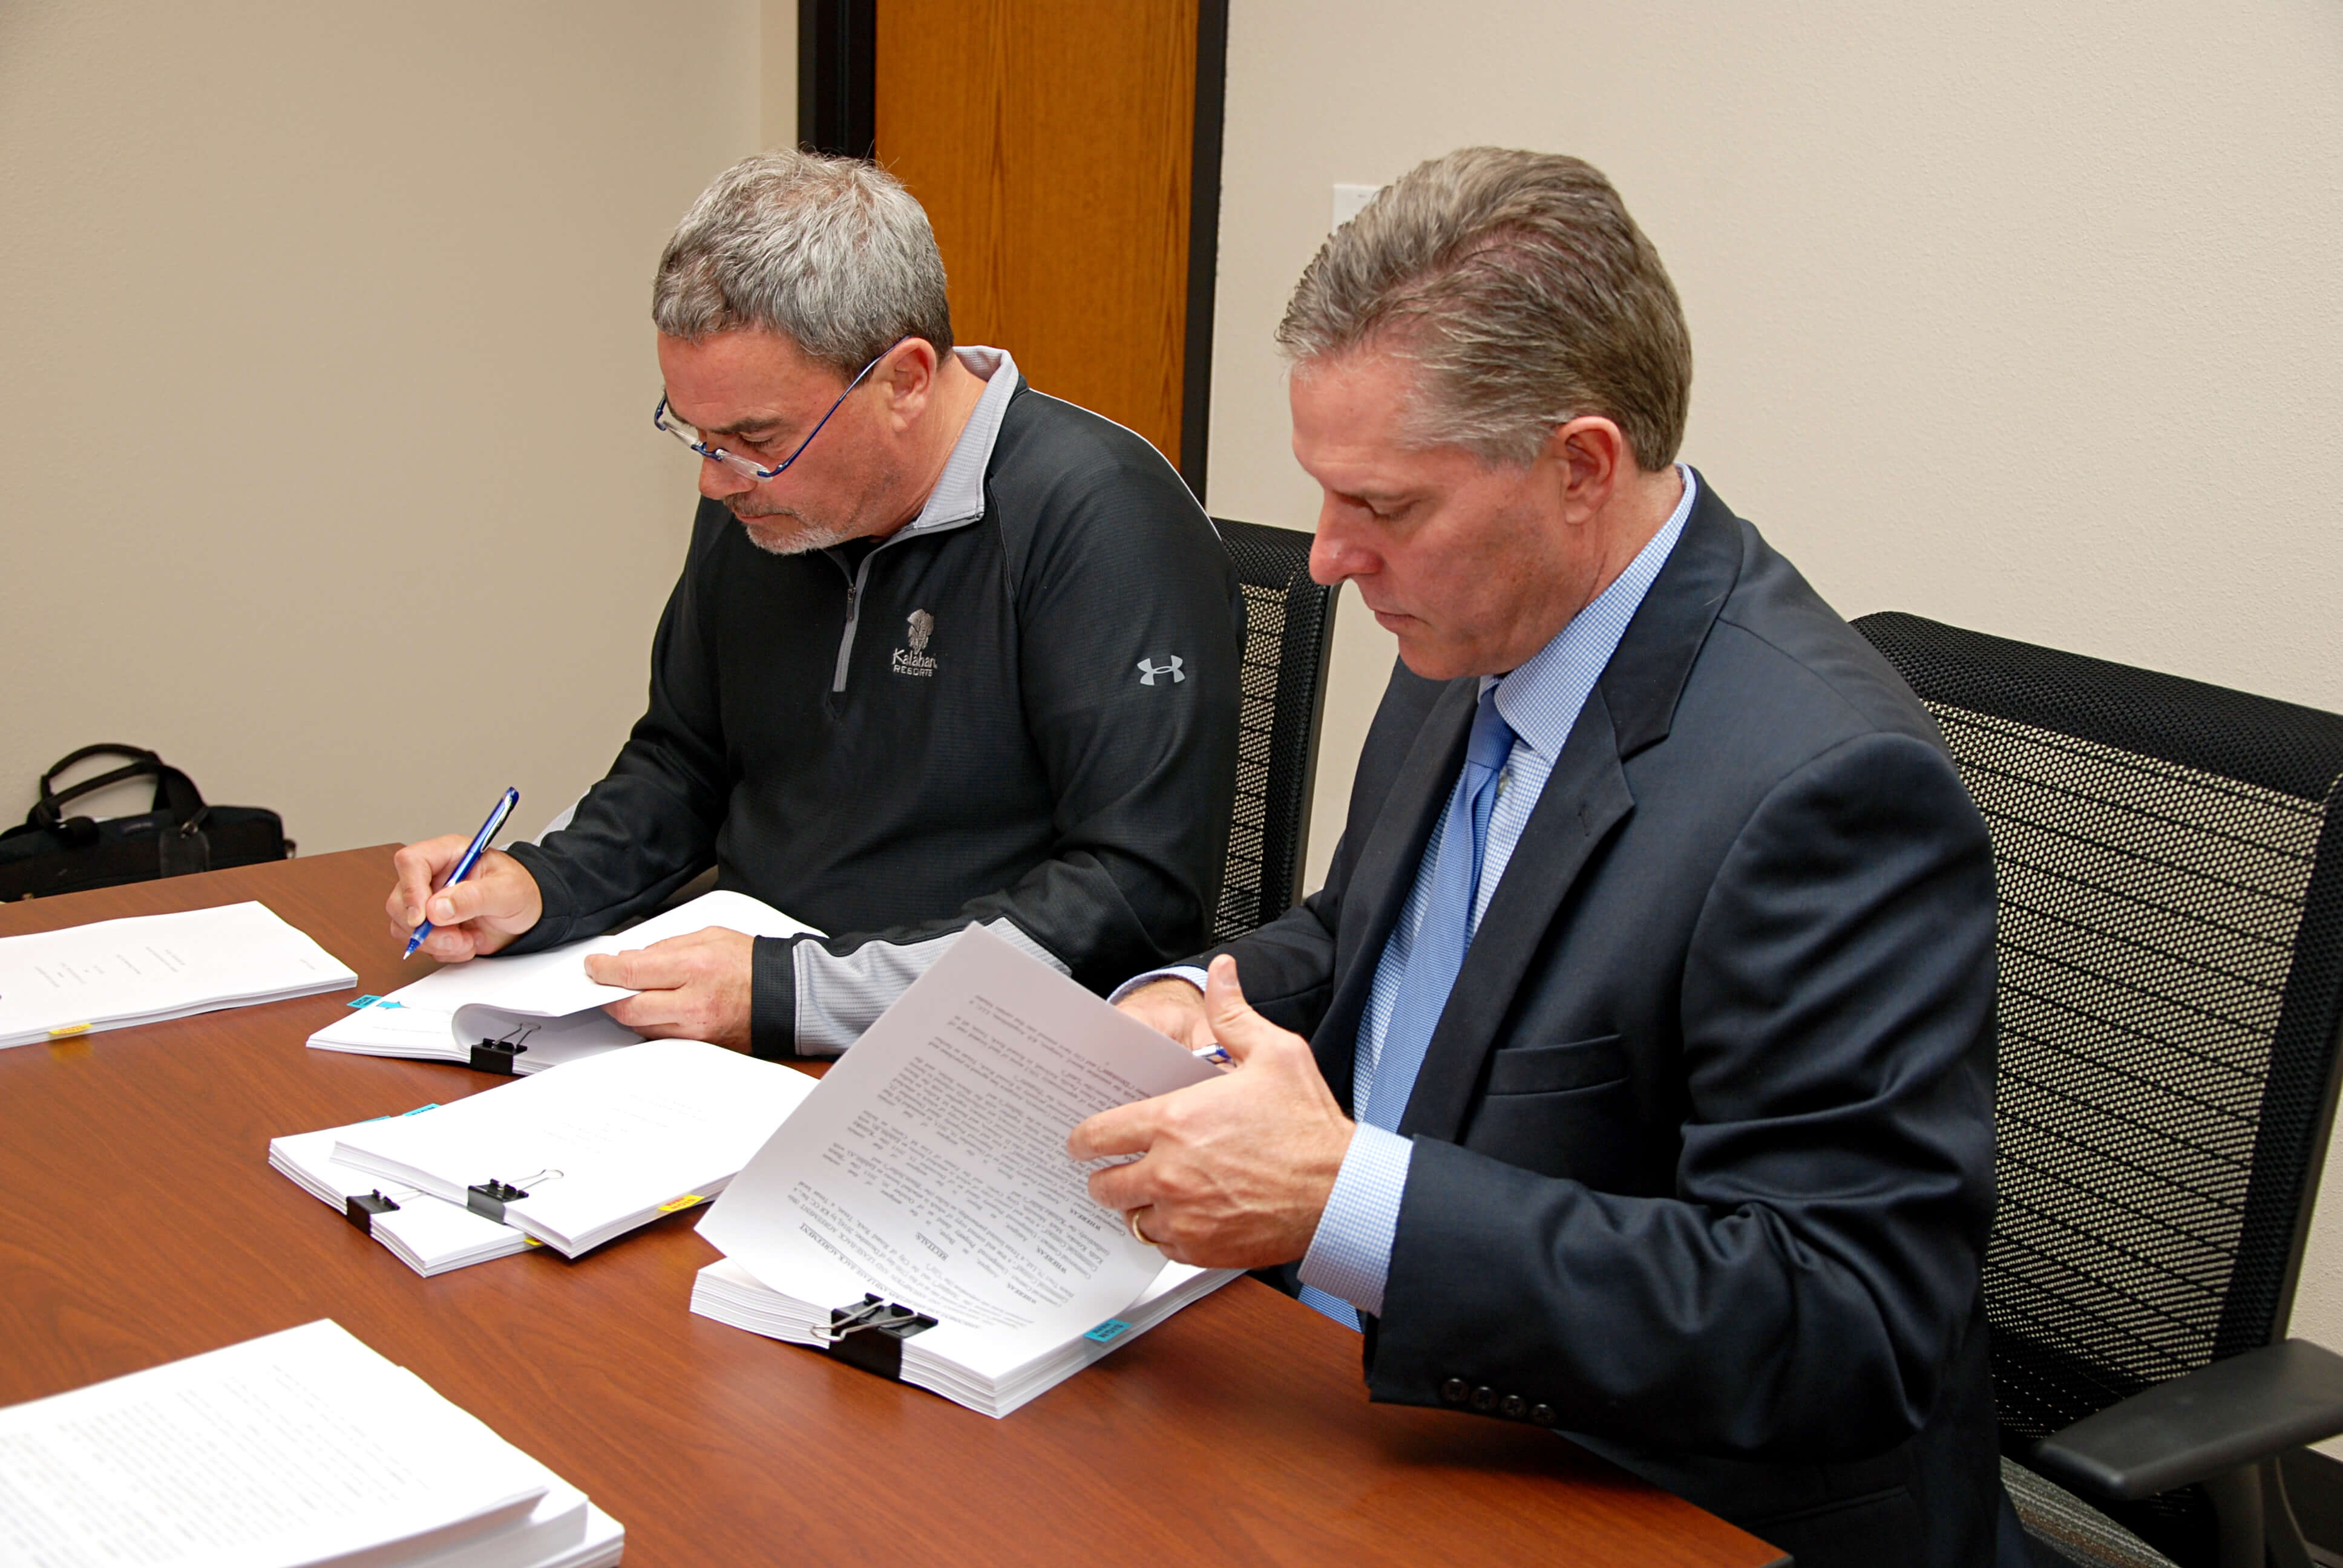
(325,463)
(2022,316)
(777,83)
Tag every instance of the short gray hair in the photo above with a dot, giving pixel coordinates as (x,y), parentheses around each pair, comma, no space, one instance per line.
(832,254)
(1522,292)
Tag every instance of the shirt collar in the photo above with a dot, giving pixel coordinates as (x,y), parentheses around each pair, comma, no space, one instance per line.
(1541,698)
(959,494)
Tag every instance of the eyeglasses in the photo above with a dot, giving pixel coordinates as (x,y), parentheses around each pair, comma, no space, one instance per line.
(744,467)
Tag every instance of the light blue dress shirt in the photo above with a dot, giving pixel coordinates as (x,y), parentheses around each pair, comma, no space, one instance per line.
(1350,1255)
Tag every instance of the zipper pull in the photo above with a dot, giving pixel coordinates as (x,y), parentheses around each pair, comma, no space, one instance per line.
(853,594)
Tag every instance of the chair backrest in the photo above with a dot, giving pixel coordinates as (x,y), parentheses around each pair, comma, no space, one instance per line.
(1289,631)
(2169,864)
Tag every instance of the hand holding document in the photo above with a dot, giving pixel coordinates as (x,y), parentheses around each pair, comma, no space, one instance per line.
(539,1009)
(298,1450)
(115,973)
(929,1168)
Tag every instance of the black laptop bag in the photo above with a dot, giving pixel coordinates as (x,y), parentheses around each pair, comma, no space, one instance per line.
(50,853)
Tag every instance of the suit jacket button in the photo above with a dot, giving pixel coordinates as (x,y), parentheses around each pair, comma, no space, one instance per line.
(1483,1397)
(1454,1391)
(1512,1404)
(1543,1415)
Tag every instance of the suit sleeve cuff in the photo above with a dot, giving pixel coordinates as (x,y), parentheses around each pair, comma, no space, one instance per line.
(1350,1255)
(1188,972)
(772,999)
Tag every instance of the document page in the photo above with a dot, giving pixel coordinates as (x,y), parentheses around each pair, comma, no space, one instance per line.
(302,1447)
(151,966)
(930,1165)
(407,1023)
(427,1231)
(598,1144)
(450,1009)
(554,982)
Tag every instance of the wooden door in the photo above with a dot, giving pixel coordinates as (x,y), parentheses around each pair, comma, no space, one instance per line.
(1054,143)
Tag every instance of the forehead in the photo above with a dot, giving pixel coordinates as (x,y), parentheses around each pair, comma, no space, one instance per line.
(734,378)
(1351,424)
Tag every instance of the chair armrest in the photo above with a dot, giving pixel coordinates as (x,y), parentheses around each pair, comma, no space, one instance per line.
(2234,1412)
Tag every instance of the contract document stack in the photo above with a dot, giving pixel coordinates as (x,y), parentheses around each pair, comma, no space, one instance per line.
(577,1157)
(428,1235)
(302,1448)
(918,1215)
(114,973)
(525,1014)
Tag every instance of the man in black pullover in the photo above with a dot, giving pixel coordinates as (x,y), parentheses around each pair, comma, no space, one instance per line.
(944,650)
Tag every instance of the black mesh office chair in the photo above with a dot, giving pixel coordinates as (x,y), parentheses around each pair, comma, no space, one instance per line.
(1289,631)
(2169,859)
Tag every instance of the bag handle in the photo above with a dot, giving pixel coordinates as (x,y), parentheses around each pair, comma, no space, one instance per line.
(174,790)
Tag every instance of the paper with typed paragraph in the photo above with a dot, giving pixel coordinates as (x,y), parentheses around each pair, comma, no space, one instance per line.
(930,1165)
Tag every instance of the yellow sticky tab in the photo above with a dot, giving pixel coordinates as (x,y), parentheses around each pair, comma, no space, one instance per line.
(686,1202)
(530,1242)
(70,1029)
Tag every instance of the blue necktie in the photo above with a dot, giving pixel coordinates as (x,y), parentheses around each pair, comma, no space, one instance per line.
(1438,950)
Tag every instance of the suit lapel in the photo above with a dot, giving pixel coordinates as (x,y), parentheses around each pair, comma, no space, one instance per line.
(1584,798)
(1386,870)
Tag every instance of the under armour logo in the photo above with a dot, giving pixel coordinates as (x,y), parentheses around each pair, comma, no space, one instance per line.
(1148,672)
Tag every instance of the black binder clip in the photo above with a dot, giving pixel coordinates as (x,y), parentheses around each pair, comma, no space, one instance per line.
(501,1056)
(361,1208)
(870,1333)
(488,1198)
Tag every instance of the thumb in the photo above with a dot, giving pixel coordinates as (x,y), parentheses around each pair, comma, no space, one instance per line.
(1239,1028)
(453,906)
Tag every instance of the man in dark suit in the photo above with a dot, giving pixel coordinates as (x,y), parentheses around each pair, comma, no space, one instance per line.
(1631,1073)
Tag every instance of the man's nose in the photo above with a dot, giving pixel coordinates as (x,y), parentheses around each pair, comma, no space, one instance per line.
(1334,556)
(717,480)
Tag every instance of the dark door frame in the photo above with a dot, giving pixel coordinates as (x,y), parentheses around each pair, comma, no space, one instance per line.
(837,50)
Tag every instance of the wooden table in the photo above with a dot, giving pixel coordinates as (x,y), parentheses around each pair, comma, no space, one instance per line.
(140,1222)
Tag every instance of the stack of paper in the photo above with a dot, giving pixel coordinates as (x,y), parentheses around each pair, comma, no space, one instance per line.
(992,1374)
(428,1235)
(540,1004)
(929,1169)
(577,1157)
(154,967)
(300,1448)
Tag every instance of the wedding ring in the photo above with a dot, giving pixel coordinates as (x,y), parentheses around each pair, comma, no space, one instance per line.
(1131,1218)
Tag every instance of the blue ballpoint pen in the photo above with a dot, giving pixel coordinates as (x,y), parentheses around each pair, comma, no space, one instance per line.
(504,809)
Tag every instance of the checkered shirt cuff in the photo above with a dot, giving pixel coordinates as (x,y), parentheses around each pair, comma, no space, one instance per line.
(1350,1256)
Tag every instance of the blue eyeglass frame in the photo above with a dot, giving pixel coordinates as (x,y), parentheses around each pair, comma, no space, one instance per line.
(743,466)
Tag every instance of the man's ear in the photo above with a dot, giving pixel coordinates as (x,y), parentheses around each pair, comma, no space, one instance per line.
(1591,457)
(908,378)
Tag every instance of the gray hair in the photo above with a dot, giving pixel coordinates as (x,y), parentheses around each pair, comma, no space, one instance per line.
(832,254)
(1522,292)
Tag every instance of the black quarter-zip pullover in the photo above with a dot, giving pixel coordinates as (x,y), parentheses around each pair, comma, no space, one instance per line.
(1025,718)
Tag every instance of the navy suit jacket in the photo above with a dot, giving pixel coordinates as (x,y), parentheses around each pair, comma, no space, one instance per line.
(1703,1163)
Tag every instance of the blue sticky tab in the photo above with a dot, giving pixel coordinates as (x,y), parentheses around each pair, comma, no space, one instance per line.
(390,1004)
(365,1002)
(1106,1331)
(395,1115)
